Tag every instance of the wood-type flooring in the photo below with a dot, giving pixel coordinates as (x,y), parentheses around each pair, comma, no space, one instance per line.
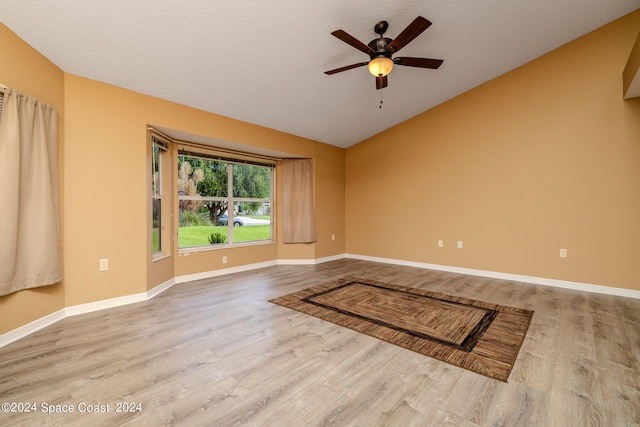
(215,352)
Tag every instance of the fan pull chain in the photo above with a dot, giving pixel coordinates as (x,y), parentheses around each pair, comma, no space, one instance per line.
(380,92)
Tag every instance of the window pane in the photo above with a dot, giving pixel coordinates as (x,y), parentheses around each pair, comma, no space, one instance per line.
(156,168)
(157,221)
(255,221)
(195,228)
(202,177)
(250,181)
(156,202)
(198,219)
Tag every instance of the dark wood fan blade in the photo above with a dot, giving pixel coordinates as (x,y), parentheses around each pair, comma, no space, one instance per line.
(411,32)
(350,40)
(381,82)
(419,62)
(345,68)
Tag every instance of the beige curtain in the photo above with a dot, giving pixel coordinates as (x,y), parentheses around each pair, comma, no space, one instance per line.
(29,216)
(298,201)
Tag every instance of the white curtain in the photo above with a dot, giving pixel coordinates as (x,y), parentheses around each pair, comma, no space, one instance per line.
(298,201)
(29,215)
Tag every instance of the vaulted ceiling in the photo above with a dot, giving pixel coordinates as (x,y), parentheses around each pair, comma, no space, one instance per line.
(263,61)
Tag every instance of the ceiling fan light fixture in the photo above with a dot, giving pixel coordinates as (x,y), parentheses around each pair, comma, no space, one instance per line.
(380,66)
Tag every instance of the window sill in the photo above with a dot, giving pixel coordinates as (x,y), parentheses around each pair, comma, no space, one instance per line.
(159,257)
(186,251)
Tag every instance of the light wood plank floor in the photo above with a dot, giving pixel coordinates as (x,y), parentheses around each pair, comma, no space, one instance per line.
(215,352)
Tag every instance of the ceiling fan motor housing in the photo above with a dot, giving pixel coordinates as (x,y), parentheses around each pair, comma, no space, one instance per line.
(379,47)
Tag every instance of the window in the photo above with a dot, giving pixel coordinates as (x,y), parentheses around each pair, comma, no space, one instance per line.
(222,201)
(158,152)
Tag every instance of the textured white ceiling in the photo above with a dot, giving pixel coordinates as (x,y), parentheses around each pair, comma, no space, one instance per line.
(262,61)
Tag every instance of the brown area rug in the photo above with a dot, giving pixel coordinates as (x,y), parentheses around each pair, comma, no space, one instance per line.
(481,337)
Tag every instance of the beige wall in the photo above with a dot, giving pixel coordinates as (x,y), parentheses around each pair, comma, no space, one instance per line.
(29,72)
(542,158)
(330,199)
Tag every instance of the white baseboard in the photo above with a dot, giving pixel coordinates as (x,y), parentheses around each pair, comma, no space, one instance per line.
(222,272)
(74,310)
(231,270)
(330,258)
(160,288)
(21,332)
(90,307)
(295,262)
(576,286)
(309,261)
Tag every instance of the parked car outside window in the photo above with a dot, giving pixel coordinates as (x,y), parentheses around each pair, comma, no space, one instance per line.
(224,220)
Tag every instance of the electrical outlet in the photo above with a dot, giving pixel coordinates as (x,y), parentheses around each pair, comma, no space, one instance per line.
(224,259)
(104,264)
(563,253)
(440,243)
(460,244)
(333,237)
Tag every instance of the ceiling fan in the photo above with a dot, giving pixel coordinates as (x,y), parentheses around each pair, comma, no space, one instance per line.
(381,50)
